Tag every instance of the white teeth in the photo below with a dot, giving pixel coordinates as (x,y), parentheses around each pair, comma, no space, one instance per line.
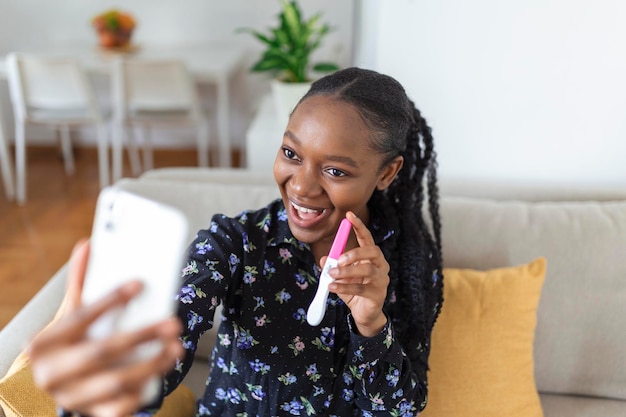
(304,209)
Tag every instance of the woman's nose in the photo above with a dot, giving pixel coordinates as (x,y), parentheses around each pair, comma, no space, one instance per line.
(305,182)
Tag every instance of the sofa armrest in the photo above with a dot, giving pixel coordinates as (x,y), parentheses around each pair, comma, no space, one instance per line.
(38,312)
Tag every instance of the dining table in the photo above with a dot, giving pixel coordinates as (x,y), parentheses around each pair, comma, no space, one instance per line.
(214,63)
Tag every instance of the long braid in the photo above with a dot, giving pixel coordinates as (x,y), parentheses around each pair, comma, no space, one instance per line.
(431,176)
(416,244)
(414,254)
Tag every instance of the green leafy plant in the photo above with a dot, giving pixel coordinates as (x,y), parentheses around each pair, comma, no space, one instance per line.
(290,45)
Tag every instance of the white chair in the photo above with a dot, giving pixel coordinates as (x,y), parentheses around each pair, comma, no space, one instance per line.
(55,92)
(6,166)
(154,94)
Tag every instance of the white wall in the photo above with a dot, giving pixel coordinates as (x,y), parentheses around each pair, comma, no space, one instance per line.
(38,24)
(522,90)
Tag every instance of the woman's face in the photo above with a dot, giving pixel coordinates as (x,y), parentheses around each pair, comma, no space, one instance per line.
(325,168)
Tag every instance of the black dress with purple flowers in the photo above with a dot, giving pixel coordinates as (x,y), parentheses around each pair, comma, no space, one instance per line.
(267,360)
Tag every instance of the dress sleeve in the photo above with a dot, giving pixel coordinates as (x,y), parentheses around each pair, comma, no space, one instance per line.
(385,380)
(213,259)
(388,379)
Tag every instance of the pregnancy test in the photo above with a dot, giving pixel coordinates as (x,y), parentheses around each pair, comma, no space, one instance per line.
(317,309)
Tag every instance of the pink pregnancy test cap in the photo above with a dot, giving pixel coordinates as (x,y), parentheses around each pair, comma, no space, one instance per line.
(341,238)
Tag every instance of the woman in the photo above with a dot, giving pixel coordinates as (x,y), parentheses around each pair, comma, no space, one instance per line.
(355,147)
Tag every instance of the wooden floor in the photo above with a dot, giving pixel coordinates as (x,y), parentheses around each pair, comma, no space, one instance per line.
(37,238)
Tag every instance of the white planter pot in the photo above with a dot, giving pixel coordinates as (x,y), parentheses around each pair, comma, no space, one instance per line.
(286,96)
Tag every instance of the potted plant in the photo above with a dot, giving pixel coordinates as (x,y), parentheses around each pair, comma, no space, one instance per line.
(114,28)
(288,53)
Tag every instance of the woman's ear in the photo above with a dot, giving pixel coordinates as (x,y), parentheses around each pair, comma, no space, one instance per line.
(389,173)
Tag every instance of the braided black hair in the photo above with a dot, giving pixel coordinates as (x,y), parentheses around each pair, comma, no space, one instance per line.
(398,129)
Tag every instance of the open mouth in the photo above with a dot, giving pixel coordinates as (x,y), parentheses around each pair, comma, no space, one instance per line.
(304,220)
(306,213)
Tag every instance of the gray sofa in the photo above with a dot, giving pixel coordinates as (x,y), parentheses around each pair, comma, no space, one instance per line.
(580,341)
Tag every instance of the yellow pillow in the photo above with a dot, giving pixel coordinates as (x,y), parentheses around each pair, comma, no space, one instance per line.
(19,397)
(180,403)
(481,360)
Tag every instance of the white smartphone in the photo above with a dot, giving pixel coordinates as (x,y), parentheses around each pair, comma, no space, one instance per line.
(135,238)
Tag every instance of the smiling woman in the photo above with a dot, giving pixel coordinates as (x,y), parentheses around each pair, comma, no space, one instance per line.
(355,148)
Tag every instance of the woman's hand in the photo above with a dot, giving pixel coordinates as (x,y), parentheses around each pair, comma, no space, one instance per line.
(361,279)
(84,375)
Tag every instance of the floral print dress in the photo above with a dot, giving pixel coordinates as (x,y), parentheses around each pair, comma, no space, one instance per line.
(267,360)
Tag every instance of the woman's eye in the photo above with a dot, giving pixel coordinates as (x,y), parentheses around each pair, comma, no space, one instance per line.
(334,172)
(289,153)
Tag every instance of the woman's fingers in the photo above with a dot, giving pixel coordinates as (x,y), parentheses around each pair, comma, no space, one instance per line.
(361,285)
(361,279)
(72,328)
(362,266)
(367,277)
(122,406)
(114,383)
(367,250)
(76,276)
(102,377)
(89,357)
(365,273)
(363,235)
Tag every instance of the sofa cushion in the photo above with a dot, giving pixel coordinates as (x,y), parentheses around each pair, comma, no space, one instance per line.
(580,337)
(482,344)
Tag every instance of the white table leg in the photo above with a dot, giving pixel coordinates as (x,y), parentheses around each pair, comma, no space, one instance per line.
(223,121)
(6,165)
